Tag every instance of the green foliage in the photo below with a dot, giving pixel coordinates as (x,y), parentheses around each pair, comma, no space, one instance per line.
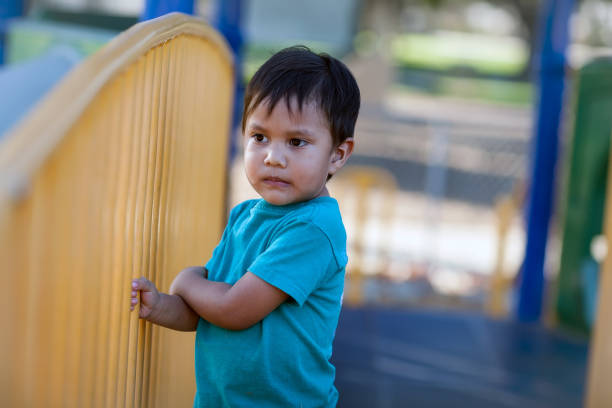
(489,90)
(463,52)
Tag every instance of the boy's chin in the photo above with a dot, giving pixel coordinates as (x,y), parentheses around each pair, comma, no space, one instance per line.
(281,200)
(277,201)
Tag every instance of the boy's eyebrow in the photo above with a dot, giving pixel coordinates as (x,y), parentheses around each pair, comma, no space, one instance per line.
(299,132)
(293,132)
(256,126)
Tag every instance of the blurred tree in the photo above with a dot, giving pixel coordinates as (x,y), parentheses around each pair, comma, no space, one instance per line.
(597,22)
(526,11)
(383,17)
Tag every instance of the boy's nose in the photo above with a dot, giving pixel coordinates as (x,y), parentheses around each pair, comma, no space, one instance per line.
(275,158)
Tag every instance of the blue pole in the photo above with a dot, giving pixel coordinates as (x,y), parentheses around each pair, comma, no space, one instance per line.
(554,40)
(157,8)
(227,18)
(8,9)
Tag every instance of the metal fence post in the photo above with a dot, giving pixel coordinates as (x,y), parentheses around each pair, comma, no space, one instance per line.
(551,76)
(157,8)
(8,9)
(227,18)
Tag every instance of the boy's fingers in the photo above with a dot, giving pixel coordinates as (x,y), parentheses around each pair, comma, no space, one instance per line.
(133,299)
(142,284)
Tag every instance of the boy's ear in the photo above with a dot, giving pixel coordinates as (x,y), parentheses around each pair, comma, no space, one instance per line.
(341,154)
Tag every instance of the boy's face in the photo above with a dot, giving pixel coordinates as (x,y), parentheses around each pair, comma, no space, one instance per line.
(287,155)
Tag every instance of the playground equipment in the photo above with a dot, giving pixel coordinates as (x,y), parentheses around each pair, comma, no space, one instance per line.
(551,83)
(25,83)
(599,393)
(120,172)
(507,209)
(361,183)
(587,214)
(585,194)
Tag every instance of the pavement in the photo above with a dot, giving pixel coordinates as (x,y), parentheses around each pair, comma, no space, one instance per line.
(389,357)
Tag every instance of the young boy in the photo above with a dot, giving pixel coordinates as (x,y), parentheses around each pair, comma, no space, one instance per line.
(266,305)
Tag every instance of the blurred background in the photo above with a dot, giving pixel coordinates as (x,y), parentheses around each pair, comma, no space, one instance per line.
(474,202)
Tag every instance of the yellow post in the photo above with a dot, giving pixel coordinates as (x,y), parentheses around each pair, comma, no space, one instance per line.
(363,181)
(506,209)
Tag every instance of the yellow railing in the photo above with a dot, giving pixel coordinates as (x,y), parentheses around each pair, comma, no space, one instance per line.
(360,184)
(119,172)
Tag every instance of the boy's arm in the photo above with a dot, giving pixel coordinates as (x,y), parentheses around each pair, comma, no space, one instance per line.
(160,308)
(233,307)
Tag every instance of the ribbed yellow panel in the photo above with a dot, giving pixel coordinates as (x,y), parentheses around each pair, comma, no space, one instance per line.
(134,184)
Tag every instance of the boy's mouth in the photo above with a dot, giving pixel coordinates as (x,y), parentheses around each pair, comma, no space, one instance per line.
(275,182)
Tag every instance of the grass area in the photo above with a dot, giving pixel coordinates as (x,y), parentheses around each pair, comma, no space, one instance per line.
(444,51)
(499,91)
(520,93)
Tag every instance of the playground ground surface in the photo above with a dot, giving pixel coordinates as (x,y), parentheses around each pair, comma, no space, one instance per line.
(389,357)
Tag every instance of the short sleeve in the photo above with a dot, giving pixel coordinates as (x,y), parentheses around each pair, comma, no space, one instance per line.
(216,259)
(217,254)
(296,260)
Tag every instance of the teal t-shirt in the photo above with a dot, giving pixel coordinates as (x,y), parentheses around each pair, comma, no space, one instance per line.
(282,361)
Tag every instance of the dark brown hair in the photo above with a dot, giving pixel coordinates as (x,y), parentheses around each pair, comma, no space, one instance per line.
(299,73)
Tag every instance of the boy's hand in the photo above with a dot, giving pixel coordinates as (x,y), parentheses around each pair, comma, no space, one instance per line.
(149,297)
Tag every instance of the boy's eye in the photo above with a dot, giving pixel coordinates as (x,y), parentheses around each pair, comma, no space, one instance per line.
(297,142)
(259,137)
